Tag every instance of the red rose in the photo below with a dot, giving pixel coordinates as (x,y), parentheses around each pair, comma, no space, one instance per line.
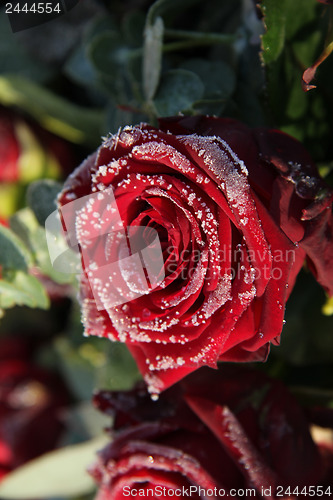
(228,430)
(236,212)
(31,400)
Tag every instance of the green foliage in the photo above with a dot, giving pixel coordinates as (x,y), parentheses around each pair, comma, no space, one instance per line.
(87,364)
(178,91)
(26,226)
(13,254)
(307,335)
(275,22)
(133,62)
(41,198)
(22,289)
(15,59)
(294,38)
(17,287)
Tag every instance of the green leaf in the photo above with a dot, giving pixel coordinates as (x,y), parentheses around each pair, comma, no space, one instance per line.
(60,116)
(99,25)
(107,53)
(80,69)
(24,290)
(217,76)
(177,92)
(77,370)
(160,7)
(117,116)
(25,225)
(13,255)
(96,362)
(275,22)
(15,59)
(41,198)
(120,372)
(132,27)
(152,57)
(111,58)
(60,473)
(83,421)
(306,116)
(307,335)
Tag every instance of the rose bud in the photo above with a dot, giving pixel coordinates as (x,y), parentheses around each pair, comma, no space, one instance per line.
(31,404)
(191,239)
(234,429)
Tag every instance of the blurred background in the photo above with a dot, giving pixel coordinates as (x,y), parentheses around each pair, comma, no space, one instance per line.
(65,84)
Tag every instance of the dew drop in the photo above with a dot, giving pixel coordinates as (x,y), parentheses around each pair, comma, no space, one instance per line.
(146,313)
(154,397)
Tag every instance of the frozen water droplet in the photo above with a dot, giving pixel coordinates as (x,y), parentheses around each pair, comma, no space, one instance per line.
(146,313)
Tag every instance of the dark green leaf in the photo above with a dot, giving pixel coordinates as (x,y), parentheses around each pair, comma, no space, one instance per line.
(15,59)
(96,363)
(275,21)
(218,77)
(79,68)
(307,335)
(14,254)
(102,24)
(210,106)
(178,90)
(119,117)
(132,28)
(84,421)
(111,59)
(41,198)
(108,53)
(160,7)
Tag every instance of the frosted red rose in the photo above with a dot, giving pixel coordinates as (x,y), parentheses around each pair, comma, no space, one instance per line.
(213,435)
(236,211)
